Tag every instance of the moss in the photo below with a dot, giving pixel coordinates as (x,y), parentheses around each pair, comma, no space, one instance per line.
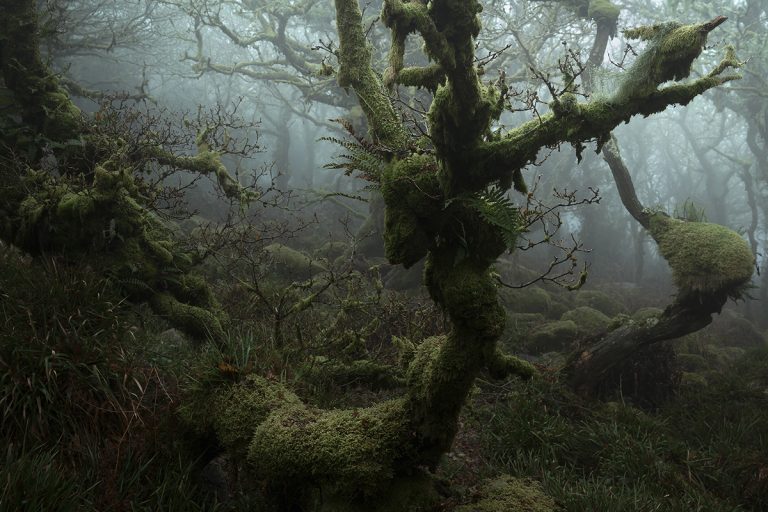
(672,49)
(510,494)
(599,301)
(646,314)
(588,320)
(604,11)
(194,320)
(705,258)
(527,300)
(293,263)
(692,362)
(469,295)
(238,409)
(555,335)
(412,196)
(349,452)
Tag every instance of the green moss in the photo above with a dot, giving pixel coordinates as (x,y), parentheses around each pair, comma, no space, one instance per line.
(291,262)
(509,494)
(672,49)
(238,409)
(527,300)
(588,320)
(693,380)
(692,362)
(194,320)
(603,11)
(412,197)
(600,301)
(551,336)
(705,258)
(646,314)
(349,452)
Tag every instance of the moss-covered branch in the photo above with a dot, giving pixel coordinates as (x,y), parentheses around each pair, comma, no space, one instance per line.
(640,94)
(355,71)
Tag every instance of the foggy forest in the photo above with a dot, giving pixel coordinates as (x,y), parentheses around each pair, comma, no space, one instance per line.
(384,255)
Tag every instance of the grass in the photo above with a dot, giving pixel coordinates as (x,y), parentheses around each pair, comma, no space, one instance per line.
(706,450)
(87,400)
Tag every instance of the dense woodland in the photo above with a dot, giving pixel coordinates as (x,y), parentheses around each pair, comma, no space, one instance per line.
(398,255)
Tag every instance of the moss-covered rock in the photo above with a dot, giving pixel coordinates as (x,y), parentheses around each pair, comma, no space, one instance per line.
(645,314)
(588,320)
(552,336)
(527,300)
(705,258)
(509,494)
(732,329)
(600,301)
(692,362)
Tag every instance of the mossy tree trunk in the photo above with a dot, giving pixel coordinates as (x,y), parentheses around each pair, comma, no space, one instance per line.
(710,263)
(438,201)
(85,204)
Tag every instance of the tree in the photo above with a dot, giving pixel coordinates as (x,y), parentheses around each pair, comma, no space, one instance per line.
(79,187)
(445,201)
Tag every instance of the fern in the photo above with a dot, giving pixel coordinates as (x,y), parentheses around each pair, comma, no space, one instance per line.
(498,210)
(361,155)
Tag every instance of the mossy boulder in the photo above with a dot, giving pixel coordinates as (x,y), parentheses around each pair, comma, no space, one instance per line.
(588,320)
(692,362)
(552,336)
(705,258)
(518,326)
(645,314)
(733,330)
(600,301)
(527,300)
(509,494)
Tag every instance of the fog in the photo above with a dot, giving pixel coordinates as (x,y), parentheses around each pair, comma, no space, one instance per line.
(270,205)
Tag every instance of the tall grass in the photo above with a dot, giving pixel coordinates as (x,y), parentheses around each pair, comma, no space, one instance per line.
(86,402)
(705,451)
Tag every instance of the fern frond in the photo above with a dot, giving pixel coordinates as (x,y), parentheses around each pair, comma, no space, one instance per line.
(497,209)
(362,156)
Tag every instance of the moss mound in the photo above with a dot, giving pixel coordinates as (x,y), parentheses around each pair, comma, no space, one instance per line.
(705,258)
(509,494)
(600,301)
(588,320)
(555,335)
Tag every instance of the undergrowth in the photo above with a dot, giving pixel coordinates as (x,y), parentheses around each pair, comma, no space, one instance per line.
(87,398)
(706,450)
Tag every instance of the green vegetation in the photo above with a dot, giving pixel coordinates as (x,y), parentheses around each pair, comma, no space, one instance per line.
(705,258)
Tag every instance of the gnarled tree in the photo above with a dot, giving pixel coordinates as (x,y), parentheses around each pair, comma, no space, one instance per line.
(443,204)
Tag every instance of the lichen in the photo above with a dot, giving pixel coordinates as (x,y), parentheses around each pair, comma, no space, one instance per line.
(705,258)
